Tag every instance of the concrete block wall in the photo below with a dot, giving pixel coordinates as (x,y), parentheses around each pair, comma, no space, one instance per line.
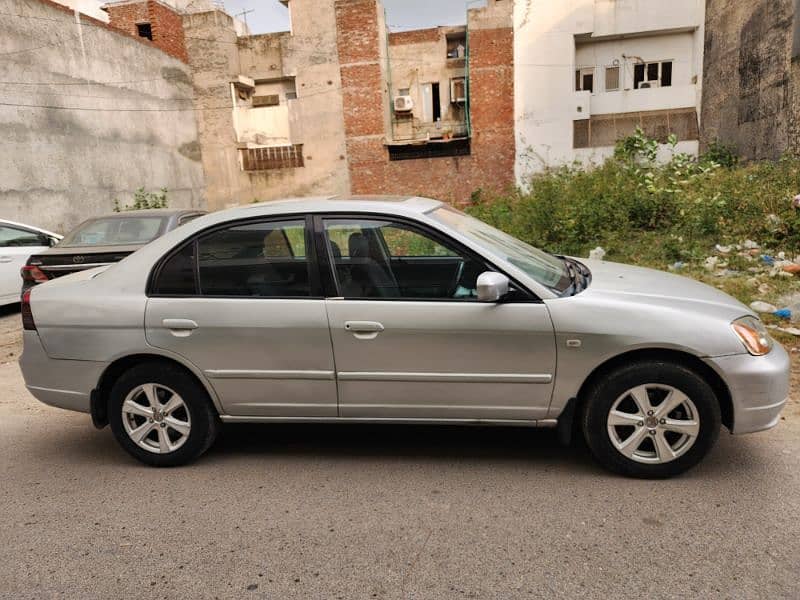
(91,117)
(747,99)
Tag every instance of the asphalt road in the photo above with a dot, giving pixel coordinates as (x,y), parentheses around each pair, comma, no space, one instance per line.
(385,512)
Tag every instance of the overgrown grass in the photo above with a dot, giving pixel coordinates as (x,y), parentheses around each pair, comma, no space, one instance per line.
(655,214)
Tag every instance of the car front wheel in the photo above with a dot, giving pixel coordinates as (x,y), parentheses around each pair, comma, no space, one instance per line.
(161,415)
(651,419)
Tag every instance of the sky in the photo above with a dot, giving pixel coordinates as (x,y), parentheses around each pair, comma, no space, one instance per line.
(270,15)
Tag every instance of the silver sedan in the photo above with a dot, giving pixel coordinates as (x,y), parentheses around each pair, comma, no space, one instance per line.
(396,310)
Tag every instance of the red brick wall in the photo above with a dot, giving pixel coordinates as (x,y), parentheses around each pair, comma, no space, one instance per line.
(165,23)
(491,73)
(125,17)
(491,164)
(416,36)
(167,30)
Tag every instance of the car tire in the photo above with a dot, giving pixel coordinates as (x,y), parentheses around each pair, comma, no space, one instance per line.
(628,431)
(175,429)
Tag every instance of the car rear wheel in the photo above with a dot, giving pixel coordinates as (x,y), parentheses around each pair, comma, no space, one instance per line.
(651,420)
(161,415)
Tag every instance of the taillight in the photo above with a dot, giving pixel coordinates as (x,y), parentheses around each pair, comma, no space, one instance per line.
(27,315)
(33,274)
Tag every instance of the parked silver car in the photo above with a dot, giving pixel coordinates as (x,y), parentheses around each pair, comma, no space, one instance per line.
(396,310)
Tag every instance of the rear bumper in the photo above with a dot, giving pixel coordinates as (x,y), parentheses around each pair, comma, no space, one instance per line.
(759,387)
(63,383)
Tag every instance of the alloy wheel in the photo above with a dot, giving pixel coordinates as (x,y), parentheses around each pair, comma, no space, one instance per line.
(653,424)
(156,418)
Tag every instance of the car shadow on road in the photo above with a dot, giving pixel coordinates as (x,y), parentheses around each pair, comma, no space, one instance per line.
(503,445)
(9,310)
(534,450)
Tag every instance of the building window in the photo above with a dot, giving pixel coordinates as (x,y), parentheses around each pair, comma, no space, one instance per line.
(404,92)
(144,30)
(271,100)
(584,80)
(612,79)
(273,157)
(456,45)
(458,90)
(291,95)
(651,75)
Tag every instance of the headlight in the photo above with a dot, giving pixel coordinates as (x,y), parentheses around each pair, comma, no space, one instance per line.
(753,334)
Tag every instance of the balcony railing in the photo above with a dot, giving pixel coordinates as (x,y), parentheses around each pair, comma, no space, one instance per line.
(274,157)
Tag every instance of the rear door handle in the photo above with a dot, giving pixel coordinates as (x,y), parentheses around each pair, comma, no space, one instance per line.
(179,327)
(6,259)
(364,330)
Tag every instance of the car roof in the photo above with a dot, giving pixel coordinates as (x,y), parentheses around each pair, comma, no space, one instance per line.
(149,212)
(341,203)
(34,227)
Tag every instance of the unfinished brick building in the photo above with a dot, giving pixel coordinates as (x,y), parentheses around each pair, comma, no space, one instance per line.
(340,105)
(152,20)
(451,158)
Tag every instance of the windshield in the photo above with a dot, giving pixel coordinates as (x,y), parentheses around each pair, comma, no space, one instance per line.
(546,269)
(115,231)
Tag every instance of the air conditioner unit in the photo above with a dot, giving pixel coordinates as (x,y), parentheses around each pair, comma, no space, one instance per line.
(403,104)
(647,85)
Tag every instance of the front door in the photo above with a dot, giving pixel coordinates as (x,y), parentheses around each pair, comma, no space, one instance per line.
(241,305)
(410,339)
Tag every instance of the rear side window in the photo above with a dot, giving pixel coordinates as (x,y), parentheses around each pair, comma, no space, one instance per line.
(262,260)
(11,237)
(177,276)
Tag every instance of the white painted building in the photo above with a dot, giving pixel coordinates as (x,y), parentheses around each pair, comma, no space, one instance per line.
(587,72)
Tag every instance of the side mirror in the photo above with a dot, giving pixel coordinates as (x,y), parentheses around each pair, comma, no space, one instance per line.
(51,241)
(492,286)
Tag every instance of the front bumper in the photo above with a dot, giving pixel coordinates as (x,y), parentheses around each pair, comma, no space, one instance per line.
(63,383)
(759,387)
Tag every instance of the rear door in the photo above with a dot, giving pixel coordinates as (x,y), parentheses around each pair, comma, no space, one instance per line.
(410,339)
(243,304)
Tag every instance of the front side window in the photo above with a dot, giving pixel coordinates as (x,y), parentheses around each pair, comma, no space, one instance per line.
(115,231)
(12,236)
(262,260)
(546,269)
(389,260)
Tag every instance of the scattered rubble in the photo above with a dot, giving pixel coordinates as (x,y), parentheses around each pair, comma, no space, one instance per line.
(778,265)
(597,254)
(763,307)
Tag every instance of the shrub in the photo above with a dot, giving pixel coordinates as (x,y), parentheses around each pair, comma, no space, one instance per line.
(143,200)
(638,208)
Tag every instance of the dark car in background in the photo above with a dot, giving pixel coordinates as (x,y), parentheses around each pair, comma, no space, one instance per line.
(102,241)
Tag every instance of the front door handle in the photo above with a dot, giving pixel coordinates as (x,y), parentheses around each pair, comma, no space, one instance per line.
(364,330)
(180,327)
